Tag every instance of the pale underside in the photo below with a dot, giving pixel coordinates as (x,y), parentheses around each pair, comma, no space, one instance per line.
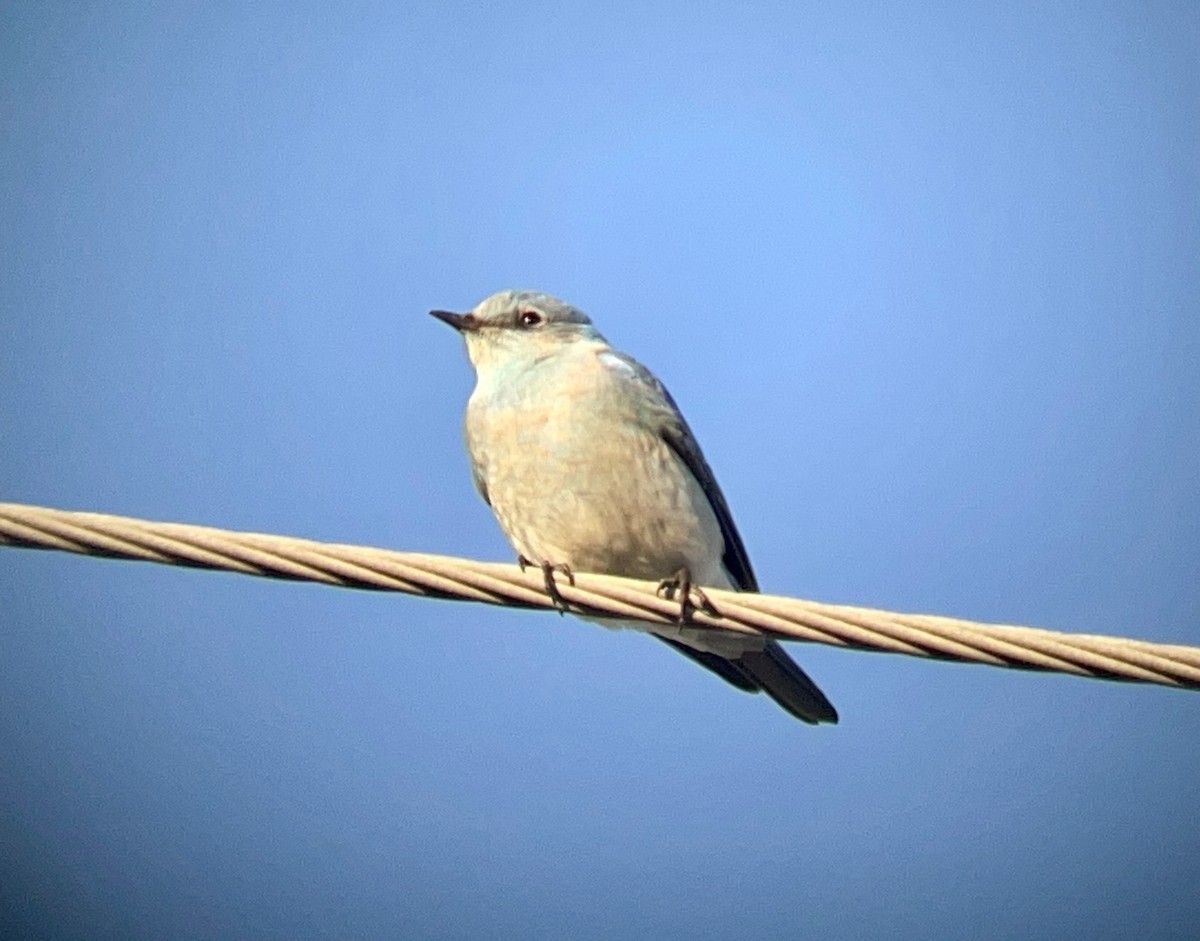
(586,481)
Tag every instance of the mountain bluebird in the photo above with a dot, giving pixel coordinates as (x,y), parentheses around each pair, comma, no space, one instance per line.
(588,465)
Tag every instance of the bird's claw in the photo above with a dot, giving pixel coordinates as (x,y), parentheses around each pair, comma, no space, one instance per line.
(548,570)
(691,598)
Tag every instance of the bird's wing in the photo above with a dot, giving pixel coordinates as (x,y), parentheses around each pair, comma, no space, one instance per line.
(674,430)
(480,482)
(769,669)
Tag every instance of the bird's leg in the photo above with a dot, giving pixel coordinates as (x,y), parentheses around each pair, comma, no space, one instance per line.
(548,570)
(681,583)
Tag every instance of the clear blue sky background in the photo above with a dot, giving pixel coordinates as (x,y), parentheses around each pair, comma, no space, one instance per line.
(925,279)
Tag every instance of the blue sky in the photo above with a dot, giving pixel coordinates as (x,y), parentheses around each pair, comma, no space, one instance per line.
(923,278)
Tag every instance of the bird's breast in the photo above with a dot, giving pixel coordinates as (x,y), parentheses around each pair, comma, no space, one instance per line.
(575,477)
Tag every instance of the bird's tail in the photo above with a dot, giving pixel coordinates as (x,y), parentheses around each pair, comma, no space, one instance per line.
(770,670)
(781,678)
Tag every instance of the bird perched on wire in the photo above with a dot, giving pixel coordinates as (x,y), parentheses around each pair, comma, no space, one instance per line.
(588,464)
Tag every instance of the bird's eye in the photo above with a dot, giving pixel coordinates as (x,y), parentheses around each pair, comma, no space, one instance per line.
(529,318)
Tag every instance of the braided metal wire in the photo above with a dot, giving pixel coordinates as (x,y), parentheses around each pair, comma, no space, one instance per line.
(1105,657)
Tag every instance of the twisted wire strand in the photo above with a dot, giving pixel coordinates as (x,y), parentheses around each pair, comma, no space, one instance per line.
(920,635)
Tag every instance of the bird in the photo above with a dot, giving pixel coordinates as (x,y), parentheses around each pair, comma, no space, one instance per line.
(588,465)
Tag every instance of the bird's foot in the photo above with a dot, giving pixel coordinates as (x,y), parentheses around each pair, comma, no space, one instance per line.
(548,570)
(690,597)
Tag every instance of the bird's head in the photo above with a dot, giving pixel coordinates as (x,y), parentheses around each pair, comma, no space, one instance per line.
(518,324)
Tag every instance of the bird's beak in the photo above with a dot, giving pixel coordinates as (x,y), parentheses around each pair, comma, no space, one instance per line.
(463,323)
